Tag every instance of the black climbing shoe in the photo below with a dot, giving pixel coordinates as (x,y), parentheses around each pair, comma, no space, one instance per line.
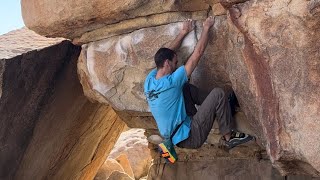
(236,139)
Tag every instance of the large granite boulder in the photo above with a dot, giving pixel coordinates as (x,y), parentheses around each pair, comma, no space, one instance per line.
(273,55)
(49,129)
(21,41)
(71,19)
(113,70)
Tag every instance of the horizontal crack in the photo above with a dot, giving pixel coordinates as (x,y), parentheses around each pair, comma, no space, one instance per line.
(229,3)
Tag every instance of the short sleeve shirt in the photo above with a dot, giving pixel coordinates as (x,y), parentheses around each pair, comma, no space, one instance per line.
(166,102)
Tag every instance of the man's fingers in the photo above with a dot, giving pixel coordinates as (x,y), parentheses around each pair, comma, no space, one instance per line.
(209,21)
(188,23)
(210,18)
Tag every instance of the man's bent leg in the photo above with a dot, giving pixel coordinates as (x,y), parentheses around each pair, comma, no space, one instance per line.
(215,105)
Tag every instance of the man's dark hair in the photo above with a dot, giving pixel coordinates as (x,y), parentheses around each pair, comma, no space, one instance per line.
(163,54)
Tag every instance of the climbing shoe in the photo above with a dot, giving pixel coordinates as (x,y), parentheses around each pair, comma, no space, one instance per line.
(236,139)
(167,151)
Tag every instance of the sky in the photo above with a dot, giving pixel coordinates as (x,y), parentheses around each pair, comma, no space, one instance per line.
(10,16)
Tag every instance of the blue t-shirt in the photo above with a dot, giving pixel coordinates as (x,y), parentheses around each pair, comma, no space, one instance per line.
(166,102)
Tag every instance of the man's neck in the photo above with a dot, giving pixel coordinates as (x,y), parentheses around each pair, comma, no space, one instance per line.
(162,72)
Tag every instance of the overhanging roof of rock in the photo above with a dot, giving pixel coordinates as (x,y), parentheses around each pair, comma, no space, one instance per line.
(71,19)
(23,40)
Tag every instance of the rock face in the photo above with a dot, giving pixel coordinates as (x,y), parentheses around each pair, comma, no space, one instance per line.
(130,153)
(247,161)
(133,145)
(116,175)
(268,51)
(125,163)
(48,127)
(109,166)
(229,169)
(274,69)
(115,68)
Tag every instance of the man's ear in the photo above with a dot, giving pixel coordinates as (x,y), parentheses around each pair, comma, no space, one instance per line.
(166,62)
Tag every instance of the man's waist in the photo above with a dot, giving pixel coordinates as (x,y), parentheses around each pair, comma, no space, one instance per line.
(181,131)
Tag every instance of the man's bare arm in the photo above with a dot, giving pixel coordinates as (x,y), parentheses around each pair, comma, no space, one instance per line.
(186,28)
(200,47)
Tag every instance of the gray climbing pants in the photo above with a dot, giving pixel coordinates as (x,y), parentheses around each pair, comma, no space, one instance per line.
(214,106)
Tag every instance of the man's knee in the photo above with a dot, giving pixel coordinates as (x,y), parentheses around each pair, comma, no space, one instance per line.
(218,92)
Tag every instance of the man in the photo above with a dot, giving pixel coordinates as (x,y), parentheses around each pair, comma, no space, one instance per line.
(168,93)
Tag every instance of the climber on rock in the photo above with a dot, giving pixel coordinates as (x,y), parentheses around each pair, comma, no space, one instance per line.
(172,99)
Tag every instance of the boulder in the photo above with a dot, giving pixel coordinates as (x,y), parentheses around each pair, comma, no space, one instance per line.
(247,161)
(48,127)
(108,167)
(133,144)
(113,70)
(123,160)
(24,40)
(273,56)
(116,175)
(70,19)
(229,169)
